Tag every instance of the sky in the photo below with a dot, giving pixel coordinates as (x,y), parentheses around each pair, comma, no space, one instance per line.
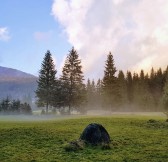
(135,31)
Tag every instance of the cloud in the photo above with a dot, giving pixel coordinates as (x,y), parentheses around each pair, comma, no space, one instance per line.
(4,34)
(43,36)
(135,31)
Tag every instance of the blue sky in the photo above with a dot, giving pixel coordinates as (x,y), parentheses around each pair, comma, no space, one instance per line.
(32,31)
(135,31)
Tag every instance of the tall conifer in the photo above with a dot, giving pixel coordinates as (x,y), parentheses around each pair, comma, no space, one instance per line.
(46,82)
(122,88)
(72,78)
(129,81)
(110,88)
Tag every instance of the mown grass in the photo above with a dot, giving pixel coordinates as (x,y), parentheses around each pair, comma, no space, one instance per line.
(133,139)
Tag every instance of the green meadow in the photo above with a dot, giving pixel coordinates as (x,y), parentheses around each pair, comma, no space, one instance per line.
(134,138)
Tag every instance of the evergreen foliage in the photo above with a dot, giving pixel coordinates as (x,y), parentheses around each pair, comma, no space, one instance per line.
(46,82)
(14,107)
(72,80)
(110,87)
(116,92)
(92,93)
(165,97)
(129,81)
(99,93)
(122,88)
(135,92)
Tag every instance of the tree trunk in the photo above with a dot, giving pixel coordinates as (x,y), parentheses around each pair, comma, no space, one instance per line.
(47,108)
(69,110)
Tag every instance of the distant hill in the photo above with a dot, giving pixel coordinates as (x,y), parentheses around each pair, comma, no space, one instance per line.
(17,84)
(11,74)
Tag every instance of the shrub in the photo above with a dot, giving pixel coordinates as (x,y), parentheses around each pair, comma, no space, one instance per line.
(152,121)
(43,112)
(75,146)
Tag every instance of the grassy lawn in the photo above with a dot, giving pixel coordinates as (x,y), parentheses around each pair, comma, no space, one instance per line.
(133,139)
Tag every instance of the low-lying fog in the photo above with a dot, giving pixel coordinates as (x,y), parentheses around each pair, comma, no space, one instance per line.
(39,117)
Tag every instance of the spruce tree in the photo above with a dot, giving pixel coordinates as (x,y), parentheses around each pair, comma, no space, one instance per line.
(110,88)
(165,98)
(99,94)
(156,84)
(6,105)
(89,93)
(122,88)
(72,79)
(141,95)
(59,94)
(152,87)
(129,81)
(46,82)
(99,87)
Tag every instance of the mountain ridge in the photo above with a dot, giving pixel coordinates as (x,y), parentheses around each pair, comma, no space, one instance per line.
(14,74)
(17,84)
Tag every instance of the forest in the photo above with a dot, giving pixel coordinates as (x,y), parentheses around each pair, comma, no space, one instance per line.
(14,107)
(114,92)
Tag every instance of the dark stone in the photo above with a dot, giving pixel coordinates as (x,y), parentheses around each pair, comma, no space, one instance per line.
(95,134)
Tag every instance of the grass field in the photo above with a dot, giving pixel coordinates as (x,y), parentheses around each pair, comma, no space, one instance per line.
(133,139)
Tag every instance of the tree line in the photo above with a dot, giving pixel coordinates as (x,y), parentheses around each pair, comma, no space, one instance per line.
(114,92)
(14,107)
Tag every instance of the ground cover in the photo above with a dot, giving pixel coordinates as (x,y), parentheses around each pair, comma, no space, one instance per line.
(133,138)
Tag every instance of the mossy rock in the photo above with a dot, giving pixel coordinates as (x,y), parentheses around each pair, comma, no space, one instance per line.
(95,134)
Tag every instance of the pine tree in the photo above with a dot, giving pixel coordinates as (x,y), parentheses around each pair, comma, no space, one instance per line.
(129,81)
(89,93)
(165,98)
(122,88)
(165,74)
(99,94)
(141,95)
(59,95)
(156,84)
(6,105)
(88,86)
(110,88)
(72,78)
(46,82)
(16,106)
(152,87)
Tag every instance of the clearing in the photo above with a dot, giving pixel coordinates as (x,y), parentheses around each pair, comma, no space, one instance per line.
(133,138)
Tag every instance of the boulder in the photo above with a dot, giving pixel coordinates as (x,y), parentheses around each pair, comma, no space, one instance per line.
(95,134)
